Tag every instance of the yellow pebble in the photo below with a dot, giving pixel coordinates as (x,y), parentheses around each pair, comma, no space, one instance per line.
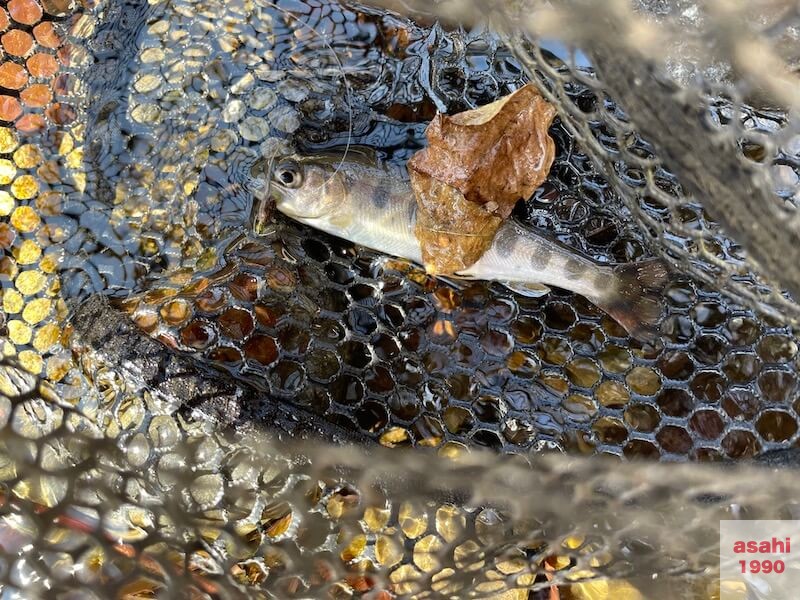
(453,451)
(66,145)
(25,187)
(36,310)
(25,219)
(148,246)
(28,253)
(79,181)
(48,203)
(31,361)
(46,337)
(559,562)
(27,156)
(12,301)
(49,263)
(30,282)
(75,158)
(61,309)
(57,234)
(6,203)
(19,333)
(7,171)
(57,368)
(8,140)
(54,288)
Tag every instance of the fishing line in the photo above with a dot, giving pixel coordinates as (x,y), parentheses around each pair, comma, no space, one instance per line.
(348,95)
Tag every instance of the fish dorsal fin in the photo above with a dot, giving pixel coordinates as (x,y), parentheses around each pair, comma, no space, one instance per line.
(531,290)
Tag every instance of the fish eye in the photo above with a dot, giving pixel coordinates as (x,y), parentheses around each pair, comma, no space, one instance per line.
(288,174)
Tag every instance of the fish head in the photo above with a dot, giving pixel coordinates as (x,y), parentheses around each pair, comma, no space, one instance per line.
(304,188)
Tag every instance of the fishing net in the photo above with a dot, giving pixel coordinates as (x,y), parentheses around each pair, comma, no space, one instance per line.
(192,408)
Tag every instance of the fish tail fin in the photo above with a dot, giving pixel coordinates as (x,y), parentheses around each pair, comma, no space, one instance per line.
(636,298)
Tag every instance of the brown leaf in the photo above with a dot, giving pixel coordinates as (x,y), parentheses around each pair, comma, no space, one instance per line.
(477,165)
(453,232)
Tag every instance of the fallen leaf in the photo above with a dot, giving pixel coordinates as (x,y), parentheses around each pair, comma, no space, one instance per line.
(453,232)
(477,165)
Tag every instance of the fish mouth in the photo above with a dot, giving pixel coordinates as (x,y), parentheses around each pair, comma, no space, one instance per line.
(288,209)
(264,198)
(284,204)
(264,207)
(268,195)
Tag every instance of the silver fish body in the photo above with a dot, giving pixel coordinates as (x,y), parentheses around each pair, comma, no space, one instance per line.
(354,197)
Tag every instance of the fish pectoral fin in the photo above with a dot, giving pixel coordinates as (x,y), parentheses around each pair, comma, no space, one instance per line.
(531,290)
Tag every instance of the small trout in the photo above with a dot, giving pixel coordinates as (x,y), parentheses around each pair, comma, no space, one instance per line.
(354,197)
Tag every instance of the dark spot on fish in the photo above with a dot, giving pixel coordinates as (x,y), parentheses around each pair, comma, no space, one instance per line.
(382,192)
(505,241)
(541,259)
(412,212)
(574,269)
(602,278)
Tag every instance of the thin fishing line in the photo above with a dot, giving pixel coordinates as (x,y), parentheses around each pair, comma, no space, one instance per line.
(348,93)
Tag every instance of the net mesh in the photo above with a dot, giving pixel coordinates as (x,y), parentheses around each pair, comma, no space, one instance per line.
(248,431)
(748,170)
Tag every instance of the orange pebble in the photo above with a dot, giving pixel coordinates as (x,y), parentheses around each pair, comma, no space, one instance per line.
(7,236)
(26,12)
(46,35)
(61,114)
(17,42)
(9,108)
(37,94)
(56,7)
(12,76)
(42,65)
(30,123)
(3,19)
(62,84)
(64,54)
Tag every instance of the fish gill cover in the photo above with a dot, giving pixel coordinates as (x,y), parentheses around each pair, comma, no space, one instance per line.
(199,447)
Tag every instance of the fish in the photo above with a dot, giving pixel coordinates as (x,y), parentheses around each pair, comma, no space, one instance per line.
(353,195)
